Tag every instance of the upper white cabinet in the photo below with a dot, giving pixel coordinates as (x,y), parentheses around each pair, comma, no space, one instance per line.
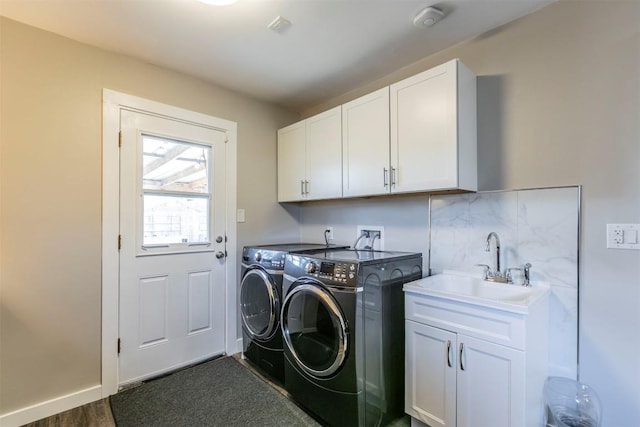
(433,130)
(417,135)
(292,142)
(365,145)
(310,158)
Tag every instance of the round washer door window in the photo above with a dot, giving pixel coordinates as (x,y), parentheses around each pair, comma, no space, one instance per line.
(314,329)
(259,304)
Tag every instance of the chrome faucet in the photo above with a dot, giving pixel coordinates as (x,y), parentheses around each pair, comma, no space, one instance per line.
(496,275)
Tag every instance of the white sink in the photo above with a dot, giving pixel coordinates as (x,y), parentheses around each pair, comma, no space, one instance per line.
(469,289)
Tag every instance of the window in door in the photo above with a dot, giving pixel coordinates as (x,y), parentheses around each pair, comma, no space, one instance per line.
(175,195)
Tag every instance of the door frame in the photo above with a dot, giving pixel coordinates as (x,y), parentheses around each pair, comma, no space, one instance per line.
(112,103)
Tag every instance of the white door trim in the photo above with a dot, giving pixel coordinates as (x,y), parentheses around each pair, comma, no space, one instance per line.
(112,103)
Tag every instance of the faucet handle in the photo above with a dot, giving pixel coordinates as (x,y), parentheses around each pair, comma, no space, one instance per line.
(527,275)
(509,275)
(486,270)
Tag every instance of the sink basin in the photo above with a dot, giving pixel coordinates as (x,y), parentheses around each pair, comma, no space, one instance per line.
(466,288)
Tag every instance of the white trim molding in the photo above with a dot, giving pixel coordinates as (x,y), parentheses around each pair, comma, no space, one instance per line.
(50,407)
(113,103)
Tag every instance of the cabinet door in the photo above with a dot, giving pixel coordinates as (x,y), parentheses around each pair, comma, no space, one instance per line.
(491,384)
(430,374)
(291,162)
(324,155)
(365,144)
(424,149)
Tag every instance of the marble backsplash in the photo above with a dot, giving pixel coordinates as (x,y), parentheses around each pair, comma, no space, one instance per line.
(540,227)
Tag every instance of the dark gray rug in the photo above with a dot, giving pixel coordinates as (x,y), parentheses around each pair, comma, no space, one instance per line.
(220,392)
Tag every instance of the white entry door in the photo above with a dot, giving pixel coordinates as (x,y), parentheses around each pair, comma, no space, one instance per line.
(172,256)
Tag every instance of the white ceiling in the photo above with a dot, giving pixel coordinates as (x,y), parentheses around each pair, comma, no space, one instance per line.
(331,47)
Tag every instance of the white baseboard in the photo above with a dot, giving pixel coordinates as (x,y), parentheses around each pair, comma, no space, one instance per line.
(50,407)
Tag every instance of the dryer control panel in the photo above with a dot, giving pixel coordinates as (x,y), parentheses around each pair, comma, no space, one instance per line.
(340,273)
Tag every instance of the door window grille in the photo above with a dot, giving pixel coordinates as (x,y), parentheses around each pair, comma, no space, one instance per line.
(176,194)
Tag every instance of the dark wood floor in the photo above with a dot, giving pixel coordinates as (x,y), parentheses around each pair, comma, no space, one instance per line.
(94,414)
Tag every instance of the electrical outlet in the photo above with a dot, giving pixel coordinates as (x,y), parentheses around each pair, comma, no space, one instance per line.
(618,236)
(328,233)
(623,236)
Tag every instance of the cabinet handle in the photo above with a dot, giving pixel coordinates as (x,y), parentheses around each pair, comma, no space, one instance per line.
(306,187)
(385,176)
(302,187)
(449,353)
(461,350)
(394,173)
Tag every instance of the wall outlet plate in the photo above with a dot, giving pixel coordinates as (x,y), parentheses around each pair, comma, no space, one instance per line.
(328,233)
(378,242)
(623,236)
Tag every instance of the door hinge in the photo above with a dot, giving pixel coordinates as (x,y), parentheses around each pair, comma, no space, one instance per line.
(119,345)
(119,241)
(119,139)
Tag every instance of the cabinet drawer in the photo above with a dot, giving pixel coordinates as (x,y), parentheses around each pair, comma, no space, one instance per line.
(488,324)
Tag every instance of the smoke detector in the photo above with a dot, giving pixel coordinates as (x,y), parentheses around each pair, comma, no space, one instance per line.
(427,17)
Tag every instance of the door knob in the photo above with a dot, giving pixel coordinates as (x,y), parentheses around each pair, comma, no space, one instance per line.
(219,239)
(220,254)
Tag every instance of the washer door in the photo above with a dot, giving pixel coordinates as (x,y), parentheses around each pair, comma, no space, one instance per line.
(259,304)
(314,329)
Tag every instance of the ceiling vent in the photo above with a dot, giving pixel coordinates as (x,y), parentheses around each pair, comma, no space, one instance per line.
(427,17)
(279,24)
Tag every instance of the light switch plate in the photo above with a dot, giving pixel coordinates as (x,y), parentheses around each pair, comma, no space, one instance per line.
(623,236)
(240,215)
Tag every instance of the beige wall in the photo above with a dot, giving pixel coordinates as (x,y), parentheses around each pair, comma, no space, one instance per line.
(559,95)
(559,104)
(50,198)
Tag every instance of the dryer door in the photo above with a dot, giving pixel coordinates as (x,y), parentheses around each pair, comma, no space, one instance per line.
(314,329)
(259,304)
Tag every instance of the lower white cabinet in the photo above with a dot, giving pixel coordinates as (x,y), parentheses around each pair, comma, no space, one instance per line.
(459,372)
(431,374)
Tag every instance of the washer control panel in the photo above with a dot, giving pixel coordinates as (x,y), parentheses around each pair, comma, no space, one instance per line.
(271,260)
